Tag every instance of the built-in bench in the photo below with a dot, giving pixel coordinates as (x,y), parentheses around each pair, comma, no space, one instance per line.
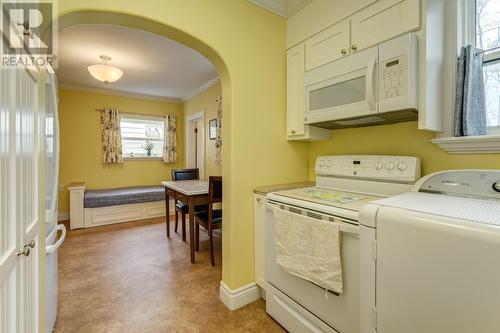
(91,208)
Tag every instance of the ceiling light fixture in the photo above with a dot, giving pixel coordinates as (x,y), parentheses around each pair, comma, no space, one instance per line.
(104,72)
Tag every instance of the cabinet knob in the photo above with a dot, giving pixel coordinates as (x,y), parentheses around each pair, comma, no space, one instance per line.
(259,199)
(293,131)
(354,47)
(344,51)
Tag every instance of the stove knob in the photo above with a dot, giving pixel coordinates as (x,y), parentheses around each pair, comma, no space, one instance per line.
(329,163)
(402,166)
(379,165)
(322,163)
(390,165)
(496,186)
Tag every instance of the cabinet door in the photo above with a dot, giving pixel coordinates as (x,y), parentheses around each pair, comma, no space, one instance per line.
(382,21)
(295,90)
(259,215)
(328,45)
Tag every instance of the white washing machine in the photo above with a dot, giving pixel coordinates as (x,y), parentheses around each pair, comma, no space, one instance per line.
(430,258)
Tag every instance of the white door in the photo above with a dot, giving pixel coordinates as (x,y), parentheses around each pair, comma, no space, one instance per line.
(19,150)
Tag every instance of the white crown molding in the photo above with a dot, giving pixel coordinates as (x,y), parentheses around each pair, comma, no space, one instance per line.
(200,89)
(236,298)
(121,93)
(276,6)
(294,6)
(283,8)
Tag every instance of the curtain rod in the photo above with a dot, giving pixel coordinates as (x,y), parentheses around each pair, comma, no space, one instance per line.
(141,114)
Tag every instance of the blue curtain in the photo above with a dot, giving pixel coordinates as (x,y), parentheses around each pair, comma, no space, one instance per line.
(470,106)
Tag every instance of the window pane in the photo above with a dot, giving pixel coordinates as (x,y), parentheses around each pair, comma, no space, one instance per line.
(136,133)
(492,93)
(487,24)
(488,37)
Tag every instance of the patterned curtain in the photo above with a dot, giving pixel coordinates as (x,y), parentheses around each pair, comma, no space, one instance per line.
(111,137)
(218,138)
(170,150)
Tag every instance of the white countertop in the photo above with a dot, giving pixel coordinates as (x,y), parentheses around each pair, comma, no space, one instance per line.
(188,187)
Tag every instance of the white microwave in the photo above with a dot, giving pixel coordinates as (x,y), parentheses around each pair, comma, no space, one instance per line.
(375,85)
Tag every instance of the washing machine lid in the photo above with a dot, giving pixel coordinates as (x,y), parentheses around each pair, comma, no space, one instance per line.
(473,209)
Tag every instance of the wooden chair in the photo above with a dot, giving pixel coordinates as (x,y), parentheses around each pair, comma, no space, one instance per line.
(212,218)
(181,207)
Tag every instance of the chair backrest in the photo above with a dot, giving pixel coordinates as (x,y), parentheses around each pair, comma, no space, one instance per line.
(185,174)
(214,189)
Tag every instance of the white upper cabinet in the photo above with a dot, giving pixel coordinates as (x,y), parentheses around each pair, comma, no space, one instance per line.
(295,90)
(382,21)
(296,130)
(327,46)
(319,15)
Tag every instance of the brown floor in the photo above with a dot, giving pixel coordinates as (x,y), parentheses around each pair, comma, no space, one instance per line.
(131,278)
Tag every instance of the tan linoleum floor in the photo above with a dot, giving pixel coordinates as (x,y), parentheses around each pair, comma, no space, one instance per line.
(131,278)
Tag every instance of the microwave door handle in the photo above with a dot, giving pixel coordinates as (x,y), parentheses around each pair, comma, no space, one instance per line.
(370,86)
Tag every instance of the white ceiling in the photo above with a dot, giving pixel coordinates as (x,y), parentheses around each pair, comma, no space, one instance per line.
(285,8)
(154,66)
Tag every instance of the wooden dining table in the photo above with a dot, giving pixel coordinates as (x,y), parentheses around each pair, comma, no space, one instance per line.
(190,192)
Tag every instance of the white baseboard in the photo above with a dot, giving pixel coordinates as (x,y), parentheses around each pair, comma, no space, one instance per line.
(237,298)
(63,216)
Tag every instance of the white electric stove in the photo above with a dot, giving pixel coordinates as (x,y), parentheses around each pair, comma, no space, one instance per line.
(344,184)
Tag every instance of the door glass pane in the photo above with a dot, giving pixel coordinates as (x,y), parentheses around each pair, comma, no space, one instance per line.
(342,93)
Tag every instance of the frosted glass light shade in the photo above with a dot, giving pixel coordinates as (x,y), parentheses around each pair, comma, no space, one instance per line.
(105,73)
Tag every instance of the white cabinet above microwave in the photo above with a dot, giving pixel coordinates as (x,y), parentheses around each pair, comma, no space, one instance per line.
(373,86)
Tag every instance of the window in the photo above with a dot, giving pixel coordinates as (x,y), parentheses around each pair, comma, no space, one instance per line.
(487,31)
(142,136)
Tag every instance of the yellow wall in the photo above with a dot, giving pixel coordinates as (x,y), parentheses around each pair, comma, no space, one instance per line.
(247,46)
(398,139)
(81,150)
(205,101)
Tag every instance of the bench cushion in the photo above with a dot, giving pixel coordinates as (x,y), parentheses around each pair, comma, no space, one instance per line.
(123,195)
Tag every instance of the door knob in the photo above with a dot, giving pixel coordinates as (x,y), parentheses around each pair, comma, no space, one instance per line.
(25,252)
(343,51)
(354,47)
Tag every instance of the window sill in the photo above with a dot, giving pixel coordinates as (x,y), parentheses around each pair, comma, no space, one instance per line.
(482,144)
(143,158)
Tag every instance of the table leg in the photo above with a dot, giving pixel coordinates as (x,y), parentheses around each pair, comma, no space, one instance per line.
(191,226)
(167,213)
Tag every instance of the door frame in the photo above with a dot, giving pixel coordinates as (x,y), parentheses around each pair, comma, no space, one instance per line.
(190,120)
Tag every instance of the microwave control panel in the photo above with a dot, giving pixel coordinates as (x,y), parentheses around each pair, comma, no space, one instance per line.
(394,76)
(397,69)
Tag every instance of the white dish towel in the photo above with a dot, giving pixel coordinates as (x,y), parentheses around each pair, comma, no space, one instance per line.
(308,248)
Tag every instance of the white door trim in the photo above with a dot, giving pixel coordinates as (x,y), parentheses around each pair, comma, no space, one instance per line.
(200,116)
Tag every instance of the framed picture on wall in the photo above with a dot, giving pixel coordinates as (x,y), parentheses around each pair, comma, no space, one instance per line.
(212,129)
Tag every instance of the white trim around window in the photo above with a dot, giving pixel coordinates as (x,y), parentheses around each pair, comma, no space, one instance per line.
(459,30)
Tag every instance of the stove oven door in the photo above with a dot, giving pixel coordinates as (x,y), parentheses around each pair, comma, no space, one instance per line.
(301,306)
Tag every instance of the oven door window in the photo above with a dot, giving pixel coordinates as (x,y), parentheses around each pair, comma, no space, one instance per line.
(338,94)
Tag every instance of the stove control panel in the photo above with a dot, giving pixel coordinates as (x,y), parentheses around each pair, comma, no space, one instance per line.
(374,167)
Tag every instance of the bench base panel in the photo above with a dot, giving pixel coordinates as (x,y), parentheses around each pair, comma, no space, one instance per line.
(94,217)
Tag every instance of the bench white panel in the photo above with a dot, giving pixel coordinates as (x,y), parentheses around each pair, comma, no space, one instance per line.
(124,213)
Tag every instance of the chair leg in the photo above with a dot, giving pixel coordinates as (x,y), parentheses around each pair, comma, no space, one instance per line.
(183,227)
(176,220)
(211,244)
(197,236)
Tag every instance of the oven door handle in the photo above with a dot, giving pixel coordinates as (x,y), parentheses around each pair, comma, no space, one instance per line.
(345,227)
